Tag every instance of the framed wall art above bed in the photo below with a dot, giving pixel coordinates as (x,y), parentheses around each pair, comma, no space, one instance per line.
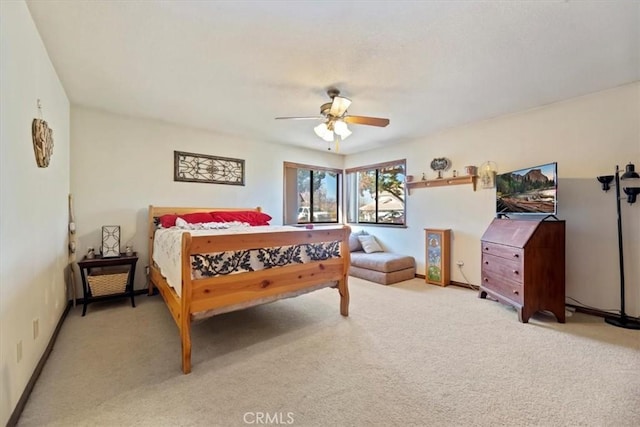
(192,167)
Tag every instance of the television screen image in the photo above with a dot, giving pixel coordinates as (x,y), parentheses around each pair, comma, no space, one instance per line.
(528,191)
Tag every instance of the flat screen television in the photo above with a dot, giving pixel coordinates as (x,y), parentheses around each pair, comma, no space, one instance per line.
(531,190)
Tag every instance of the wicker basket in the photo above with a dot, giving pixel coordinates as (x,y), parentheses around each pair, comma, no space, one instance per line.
(108,282)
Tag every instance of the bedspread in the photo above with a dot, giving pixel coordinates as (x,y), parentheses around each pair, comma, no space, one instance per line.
(167,254)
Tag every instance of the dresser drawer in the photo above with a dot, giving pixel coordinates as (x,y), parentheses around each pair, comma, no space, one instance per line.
(508,269)
(507,288)
(503,251)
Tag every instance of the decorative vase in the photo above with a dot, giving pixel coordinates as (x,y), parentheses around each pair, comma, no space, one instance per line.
(471,170)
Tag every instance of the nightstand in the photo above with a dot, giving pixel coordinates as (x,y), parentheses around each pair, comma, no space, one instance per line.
(107,278)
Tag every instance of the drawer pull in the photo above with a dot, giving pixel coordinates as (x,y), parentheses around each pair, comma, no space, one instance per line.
(515,272)
(486,249)
(515,292)
(486,262)
(486,280)
(516,255)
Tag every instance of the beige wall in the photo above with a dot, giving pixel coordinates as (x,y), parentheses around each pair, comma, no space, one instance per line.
(121,165)
(587,136)
(33,202)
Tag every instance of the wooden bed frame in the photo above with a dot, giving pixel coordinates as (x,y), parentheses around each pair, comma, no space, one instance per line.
(221,294)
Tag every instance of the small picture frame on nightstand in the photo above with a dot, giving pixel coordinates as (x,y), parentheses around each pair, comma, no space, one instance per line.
(110,241)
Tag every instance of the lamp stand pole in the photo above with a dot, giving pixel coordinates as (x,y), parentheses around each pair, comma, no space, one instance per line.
(623,321)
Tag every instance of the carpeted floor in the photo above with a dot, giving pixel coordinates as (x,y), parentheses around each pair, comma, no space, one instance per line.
(409,355)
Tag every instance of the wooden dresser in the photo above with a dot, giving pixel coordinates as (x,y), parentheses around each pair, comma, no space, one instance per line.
(523,265)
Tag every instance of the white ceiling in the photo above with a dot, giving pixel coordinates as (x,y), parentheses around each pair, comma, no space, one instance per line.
(232,66)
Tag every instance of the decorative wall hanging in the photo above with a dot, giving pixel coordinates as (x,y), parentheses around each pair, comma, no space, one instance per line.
(110,241)
(42,136)
(71,290)
(191,167)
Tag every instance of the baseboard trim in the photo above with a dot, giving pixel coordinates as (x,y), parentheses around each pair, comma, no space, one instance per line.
(591,311)
(22,402)
(464,285)
(594,311)
(577,308)
(453,283)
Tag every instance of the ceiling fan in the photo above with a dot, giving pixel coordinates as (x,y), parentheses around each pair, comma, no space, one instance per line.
(335,118)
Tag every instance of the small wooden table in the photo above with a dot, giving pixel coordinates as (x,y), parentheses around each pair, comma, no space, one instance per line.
(86,265)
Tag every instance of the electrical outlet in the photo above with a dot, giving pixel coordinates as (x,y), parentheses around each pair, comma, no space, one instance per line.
(460,263)
(19,351)
(36,328)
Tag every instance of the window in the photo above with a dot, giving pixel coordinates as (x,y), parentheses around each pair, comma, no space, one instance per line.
(376,193)
(311,194)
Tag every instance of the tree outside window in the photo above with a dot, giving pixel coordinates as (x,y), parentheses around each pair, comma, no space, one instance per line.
(312,194)
(318,191)
(376,193)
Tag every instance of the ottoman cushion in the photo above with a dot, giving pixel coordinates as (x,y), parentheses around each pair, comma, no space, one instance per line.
(384,262)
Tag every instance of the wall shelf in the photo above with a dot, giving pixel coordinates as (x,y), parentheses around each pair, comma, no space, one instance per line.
(458,180)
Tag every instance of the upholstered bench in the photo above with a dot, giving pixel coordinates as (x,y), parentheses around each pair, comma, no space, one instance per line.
(376,265)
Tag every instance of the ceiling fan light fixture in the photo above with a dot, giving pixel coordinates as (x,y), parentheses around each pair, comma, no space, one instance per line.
(321,130)
(339,106)
(341,129)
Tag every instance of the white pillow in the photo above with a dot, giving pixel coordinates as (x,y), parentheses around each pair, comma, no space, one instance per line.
(370,244)
(184,225)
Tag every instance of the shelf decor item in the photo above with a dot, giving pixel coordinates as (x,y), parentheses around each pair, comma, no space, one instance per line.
(471,170)
(622,321)
(440,164)
(437,269)
(110,241)
(487,173)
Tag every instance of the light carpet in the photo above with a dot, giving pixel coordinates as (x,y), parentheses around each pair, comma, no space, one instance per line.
(409,354)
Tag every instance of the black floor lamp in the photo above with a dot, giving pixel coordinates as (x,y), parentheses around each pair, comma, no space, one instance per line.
(623,321)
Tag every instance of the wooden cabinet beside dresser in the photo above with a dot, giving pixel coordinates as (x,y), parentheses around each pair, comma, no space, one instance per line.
(523,265)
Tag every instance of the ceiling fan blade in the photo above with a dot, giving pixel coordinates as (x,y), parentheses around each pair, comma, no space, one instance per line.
(371,121)
(339,106)
(302,118)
